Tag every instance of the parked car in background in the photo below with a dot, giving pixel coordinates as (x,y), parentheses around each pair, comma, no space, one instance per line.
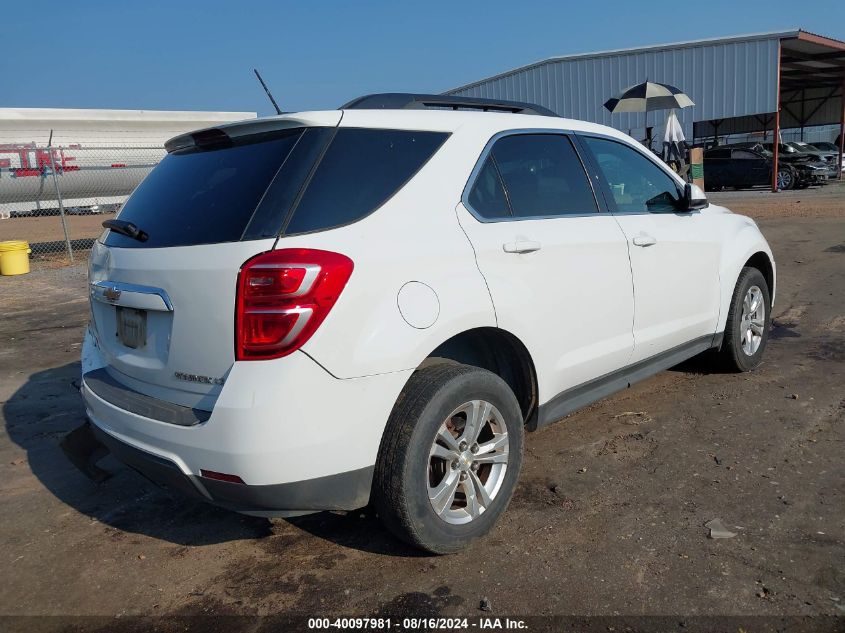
(805,148)
(831,159)
(832,148)
(743,166)
(826,146)
(817,170)
(314,310)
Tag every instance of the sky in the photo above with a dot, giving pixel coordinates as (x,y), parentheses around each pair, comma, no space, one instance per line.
(188,55)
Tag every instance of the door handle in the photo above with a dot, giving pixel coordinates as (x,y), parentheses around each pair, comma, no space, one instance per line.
(522,246)
(644,240)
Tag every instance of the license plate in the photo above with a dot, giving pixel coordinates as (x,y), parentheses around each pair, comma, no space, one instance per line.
(132,327)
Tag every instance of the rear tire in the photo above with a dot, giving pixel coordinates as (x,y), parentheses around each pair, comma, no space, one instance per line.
(749,319)
(440,480)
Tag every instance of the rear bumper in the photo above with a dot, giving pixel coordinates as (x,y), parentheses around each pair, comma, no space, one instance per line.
(343,491)
(299,438)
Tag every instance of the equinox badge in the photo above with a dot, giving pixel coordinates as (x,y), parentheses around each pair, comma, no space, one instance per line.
(205,380)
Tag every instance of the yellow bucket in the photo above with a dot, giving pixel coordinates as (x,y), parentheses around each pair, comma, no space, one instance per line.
(14,257)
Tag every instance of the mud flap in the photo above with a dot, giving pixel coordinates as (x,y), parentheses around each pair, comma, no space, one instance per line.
(84,450)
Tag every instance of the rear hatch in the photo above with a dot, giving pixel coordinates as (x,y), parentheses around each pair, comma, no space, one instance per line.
(164,301)
(164,308)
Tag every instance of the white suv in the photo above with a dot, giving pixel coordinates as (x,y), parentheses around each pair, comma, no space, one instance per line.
(320,309)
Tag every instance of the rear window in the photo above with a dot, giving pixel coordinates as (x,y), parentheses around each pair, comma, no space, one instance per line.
(718,153)
(360,171)
(264,187)
(203,196)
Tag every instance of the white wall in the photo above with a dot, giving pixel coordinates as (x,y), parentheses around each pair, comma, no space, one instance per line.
(104,128)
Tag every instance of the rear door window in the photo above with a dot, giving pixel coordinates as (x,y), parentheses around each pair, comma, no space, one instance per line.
(718,153)
(743,154)
(359,172)
(204,196)
(543,176)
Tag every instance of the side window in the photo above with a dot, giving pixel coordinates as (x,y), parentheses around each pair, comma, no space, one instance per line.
(637,184)
(743,154)
(543,175)
(360,171)
(718,153)
(487,196)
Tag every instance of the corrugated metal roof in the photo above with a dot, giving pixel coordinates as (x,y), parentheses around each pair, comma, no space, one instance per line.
(725,77)
(637,49)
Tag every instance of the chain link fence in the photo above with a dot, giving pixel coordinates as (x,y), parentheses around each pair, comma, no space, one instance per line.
(57,197)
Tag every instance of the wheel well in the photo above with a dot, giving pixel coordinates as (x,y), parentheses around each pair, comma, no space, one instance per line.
(497,351)
(761,262)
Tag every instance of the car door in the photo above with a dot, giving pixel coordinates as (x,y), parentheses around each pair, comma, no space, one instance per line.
(556,266)
(717,167)
(752,168)
(674,255)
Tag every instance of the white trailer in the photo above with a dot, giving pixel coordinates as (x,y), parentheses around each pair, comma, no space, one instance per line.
(97,156)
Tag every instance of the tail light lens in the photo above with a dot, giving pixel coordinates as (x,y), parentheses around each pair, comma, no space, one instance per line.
(283,297)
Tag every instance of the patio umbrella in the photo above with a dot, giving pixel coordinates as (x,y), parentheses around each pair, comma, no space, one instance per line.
(648,96)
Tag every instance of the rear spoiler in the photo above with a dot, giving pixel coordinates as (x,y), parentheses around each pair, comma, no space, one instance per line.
(223,134)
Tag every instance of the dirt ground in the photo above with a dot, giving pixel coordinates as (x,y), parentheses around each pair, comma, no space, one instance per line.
(608,518)
(49,228)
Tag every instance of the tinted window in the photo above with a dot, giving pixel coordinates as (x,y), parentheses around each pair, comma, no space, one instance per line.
(203,196)
(271,213)
(744,154)
(360,170)
(487,197)
(637,183)
(718,153)
(543,175)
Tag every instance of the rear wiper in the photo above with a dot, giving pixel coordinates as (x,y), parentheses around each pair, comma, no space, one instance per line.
(126,228)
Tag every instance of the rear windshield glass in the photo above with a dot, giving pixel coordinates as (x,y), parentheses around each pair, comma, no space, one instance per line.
(203,196)
(360,171)
(261,188)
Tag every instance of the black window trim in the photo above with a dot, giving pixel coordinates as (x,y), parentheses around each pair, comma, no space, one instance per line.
(303,131)
(605,186)
(289,217)
(487,151)
(305,183)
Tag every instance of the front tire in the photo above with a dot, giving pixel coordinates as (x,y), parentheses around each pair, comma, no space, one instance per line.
(749,319)
(786,178)
(450,457)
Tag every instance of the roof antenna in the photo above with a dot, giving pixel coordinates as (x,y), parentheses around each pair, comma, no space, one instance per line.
(267,90)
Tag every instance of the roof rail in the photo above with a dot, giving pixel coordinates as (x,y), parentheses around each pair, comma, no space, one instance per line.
(410,101)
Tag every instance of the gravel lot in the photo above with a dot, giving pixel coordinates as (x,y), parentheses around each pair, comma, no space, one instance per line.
(608,518)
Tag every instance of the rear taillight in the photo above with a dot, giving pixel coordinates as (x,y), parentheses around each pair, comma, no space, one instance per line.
(283,297)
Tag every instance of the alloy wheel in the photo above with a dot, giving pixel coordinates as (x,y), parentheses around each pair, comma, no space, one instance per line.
(753,322)
(467,462)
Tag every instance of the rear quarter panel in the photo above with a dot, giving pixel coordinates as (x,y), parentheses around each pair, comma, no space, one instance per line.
(415,236)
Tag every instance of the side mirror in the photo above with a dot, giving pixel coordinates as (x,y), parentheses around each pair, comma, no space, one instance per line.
(694,198)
